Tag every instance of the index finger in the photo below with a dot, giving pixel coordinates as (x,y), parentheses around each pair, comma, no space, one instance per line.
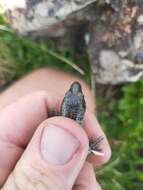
(18,122)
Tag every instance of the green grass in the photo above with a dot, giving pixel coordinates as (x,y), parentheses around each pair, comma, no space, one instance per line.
(122,121)
(121,117)
(24,55)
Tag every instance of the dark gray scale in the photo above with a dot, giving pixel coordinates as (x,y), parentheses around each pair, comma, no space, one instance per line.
(73,106)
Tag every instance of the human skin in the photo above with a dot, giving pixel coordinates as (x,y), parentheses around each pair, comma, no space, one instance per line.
(23,122)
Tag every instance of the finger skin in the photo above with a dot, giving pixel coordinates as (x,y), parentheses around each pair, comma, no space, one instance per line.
(57,83)
(19,121)
(51,80)
(35,172)
(94,131)
(86,179)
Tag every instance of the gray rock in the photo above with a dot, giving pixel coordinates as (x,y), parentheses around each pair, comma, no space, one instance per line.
(112,31)
(35,15)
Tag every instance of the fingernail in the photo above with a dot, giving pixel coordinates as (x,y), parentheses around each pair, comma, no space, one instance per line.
(58,145)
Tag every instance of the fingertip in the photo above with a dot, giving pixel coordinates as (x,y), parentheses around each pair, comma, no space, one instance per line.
(94,131)
(98,160)
(59,146)
(72,127)
(60,135)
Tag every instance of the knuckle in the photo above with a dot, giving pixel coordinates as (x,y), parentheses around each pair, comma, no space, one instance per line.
(34,177)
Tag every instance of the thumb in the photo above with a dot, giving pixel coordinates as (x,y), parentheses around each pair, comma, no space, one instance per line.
(53,158)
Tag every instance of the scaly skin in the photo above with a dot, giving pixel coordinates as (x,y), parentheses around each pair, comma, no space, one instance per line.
(73,106)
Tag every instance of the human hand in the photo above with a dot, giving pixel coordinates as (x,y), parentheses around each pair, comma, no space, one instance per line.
(40,153)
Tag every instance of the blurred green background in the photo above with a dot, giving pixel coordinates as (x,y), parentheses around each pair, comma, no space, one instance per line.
(120,108)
